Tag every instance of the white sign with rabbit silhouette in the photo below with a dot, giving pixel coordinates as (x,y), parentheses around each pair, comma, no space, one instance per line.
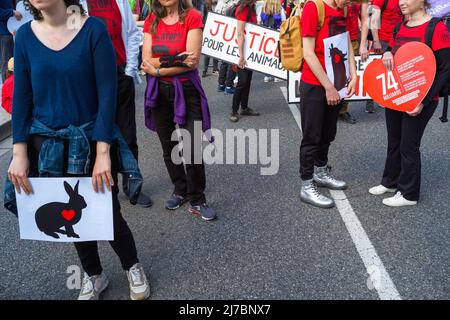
(65,210)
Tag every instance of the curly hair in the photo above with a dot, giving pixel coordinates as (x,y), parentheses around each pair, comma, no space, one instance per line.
(37,15)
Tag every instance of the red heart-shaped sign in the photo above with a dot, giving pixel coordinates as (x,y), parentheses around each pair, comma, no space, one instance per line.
(68,214)
(406,86)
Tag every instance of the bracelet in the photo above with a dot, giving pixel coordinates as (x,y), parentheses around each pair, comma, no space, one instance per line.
(157,73)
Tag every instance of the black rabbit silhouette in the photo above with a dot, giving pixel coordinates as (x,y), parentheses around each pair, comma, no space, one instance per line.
(51,217)
(338,59)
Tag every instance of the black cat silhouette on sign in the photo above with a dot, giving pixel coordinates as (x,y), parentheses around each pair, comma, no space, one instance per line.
(65,210)
(59,218)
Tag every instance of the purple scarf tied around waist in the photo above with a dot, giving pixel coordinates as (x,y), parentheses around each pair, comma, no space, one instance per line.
(151,101)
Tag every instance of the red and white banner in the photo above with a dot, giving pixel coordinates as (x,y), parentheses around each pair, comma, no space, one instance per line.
(261,45)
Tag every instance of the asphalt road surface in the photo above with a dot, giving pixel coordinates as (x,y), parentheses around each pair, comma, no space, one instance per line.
(266,244)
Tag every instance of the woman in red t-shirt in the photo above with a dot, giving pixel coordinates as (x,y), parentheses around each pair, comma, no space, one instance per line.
(171,51)
(245,13)
(402,171)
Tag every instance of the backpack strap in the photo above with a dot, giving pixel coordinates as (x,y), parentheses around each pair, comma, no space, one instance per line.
(397,29)
(430,31)
(321,12)
(385,4)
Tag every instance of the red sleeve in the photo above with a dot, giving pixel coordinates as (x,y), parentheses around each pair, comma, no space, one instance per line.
(7,92)
(194,20)
(310,20)
(148,23)
(243,15)
(378,3)
(441,37)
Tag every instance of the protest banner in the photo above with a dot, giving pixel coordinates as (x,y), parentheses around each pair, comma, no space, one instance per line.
(261,45)
(405,87)
(65,210)
(360,94)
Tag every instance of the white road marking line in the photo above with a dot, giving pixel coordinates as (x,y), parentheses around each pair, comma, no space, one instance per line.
(379,278)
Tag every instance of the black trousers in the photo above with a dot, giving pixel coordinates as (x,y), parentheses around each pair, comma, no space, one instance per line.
(240,97)
(319,125)
(403,164)
(189,179)
(126,113)
(226,74)
(6,53)
(123,244)
(206,63)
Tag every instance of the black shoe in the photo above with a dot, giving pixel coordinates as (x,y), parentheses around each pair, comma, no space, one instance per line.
(234,117)
(370,107)
(175,201)
(248,112)
(347,117)
(143,200)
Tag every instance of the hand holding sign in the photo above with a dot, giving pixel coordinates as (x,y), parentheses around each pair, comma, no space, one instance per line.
(405,87)
(20,17)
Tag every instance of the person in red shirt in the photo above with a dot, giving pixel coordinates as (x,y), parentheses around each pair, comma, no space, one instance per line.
(171,51)
(320,100)
(8,87)
(390,16)
(245,13)
(402,171)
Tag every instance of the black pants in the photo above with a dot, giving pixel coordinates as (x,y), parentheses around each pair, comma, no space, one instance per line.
(226,74)
(189,181)
(403,165)
(319,125)
(206,64)
(6,53)
(240,97)
(123,243)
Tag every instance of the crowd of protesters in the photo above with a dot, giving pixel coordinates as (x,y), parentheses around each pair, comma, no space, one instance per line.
(106,57)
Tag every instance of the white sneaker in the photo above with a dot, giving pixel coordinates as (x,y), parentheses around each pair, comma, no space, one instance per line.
(139,287)
(380,189)
(398,201)
(92,287)
(277,80)
(267,79)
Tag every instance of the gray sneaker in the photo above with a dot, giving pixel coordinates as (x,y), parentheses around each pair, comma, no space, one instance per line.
(323,178)
(139,287)
(92,287)
(310,194)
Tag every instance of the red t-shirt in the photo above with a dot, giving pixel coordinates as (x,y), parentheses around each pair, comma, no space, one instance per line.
(7,94)
(390,17)
(441,37)
(243,16)
(334,24)
(108,11)
(171,39)
(353,12)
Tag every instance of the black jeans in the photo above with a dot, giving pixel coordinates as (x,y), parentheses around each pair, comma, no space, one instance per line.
(189,181)
(126,113)
(242,92)
(319,126)
(403,164)
(6,53)
(226,74)
(206,64)
(123,244)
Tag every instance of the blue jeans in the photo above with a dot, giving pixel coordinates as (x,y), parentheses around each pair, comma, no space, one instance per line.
(6,53)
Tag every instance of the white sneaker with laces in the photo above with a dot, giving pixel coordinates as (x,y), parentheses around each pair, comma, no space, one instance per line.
(398,201)
(139,287)
(92,287)
(380,189)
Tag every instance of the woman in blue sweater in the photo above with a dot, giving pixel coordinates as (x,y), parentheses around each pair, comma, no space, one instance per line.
(66,78)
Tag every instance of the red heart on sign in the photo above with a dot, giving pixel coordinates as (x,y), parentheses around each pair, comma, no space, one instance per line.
(68,214)
(406,86)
